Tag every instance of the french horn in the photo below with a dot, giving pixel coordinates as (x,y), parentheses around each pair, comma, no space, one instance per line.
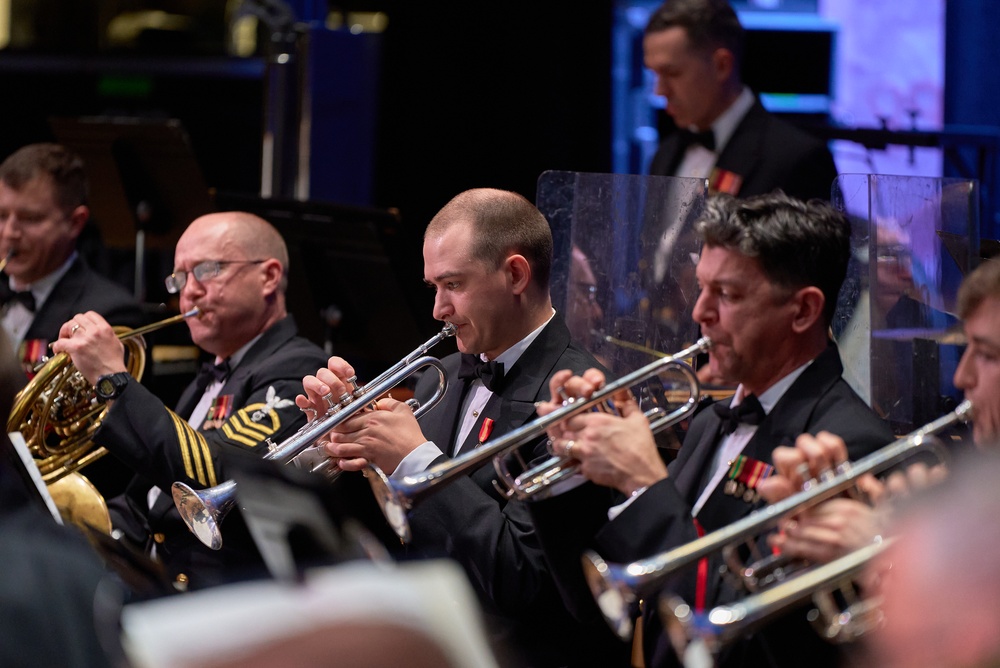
(58,413)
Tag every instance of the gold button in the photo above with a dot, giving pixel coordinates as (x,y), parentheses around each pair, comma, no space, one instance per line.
(181,582)
(475,414)
(159,537)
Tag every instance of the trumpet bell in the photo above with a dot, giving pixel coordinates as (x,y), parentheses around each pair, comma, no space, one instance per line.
(203,510)
(393,504)
(613,596)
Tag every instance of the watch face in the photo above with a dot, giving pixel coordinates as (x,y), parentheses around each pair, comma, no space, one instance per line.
(105,386)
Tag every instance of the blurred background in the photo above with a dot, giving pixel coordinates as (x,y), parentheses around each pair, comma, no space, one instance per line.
(355,122)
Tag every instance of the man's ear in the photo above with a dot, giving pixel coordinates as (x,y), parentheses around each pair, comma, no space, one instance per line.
(809,303)
(519,272)
(78,217)
(723,62)
(273,272)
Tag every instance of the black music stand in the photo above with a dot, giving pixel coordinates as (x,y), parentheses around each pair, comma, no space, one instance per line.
(146,186)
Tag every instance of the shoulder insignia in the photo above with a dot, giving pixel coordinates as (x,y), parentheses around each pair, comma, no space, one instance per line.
(273,402)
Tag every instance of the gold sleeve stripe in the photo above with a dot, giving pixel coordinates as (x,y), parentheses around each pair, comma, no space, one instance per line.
(242,429)
(181,440)
(194,452)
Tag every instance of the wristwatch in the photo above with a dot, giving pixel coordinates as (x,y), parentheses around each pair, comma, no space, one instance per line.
(111,385)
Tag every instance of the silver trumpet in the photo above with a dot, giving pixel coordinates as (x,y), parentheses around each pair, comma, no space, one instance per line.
(398,497)
(203,510)
(725,623)
(616,587)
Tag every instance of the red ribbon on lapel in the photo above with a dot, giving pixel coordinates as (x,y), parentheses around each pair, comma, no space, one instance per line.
(485,430)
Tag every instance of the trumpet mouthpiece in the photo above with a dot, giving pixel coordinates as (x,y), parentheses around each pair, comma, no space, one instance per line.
(194,312)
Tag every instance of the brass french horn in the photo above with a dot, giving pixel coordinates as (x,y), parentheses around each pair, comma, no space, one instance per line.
(58,413)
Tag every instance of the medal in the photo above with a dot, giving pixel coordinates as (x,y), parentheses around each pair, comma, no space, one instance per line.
(743,476)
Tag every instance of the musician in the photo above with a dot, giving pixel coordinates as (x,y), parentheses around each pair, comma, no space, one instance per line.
(939,589)
(694,48)
(43,211)
(233,267)
(487,255)
(769,272)
(841,525)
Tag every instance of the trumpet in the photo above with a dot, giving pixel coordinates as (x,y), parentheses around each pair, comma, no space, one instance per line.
(726,623)
(617,586)
(397,498)
(203,510)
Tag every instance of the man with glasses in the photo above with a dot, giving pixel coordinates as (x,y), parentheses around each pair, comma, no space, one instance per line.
(233,268)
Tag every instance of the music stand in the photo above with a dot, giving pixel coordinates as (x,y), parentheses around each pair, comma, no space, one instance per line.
(22,483)
(146,184)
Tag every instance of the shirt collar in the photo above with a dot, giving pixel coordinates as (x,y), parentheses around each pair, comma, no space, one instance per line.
(44,286)
(725,125)
(510,356)
(773,394)
(236,357)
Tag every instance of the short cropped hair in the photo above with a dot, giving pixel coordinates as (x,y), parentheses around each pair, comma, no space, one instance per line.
(982,283)
(63,166)
(797,243)
(709,24)
(503,223)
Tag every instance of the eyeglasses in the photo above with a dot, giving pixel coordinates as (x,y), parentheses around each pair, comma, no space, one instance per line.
(202,271)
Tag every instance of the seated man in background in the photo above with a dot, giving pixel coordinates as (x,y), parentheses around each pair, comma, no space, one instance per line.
(769,273)
(488,257)
(43,209)
(233,268)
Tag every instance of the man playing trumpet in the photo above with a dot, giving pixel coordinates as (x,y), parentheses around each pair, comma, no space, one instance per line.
(487,256)
(837,527)
(769,273)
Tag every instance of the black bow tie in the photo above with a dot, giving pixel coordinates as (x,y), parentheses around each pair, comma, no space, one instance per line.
(748,412)
(25,297)
(210,373)
(491,373)
(706,138)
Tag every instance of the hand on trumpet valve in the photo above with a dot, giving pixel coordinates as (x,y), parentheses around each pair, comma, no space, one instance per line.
(329,389)
(615,447)
(797,467)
